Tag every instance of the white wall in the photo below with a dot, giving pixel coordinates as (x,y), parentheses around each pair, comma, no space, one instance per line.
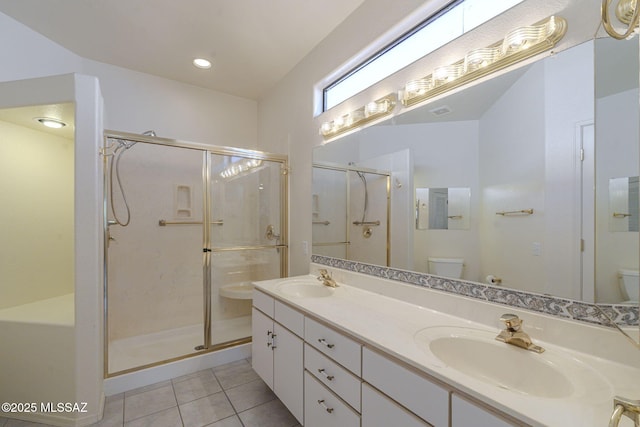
(617,157)
(36,183)
(135,102)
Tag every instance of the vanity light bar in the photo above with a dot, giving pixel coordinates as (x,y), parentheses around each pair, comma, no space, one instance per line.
(241,167)
(518,44)
(373,110)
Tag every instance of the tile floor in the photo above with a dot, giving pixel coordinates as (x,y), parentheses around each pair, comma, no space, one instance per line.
(230,395)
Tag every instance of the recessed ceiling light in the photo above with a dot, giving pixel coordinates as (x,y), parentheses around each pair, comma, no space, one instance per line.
(51,123)
(202,63)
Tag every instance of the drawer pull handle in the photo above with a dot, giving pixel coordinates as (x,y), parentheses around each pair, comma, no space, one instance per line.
(328,377)
(321,403)
(324,342)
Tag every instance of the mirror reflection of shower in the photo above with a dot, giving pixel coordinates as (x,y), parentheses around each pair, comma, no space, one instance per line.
(366,192)
(114,171)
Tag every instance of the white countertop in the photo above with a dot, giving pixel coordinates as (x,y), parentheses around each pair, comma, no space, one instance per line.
(390,324)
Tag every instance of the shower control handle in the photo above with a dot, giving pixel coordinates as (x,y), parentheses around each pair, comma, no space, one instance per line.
(271,233)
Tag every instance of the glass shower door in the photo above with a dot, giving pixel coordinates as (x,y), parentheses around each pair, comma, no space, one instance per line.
(155,273)
(247,238)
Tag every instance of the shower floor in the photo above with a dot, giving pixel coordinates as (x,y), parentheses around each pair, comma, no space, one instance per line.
(132,352)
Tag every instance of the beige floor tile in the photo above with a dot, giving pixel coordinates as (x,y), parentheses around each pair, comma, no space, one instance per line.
(248,395)
(271,414)
(235,374)
(113,413)
(206,410)
(148,402)
(146,388)
(206,374)
(19,423)
(227,422)
(195,388)
(167,418)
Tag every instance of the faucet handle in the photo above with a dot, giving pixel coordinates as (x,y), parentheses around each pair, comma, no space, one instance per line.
(512,321)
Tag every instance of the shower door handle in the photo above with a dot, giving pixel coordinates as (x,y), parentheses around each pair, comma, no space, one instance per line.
(271,233)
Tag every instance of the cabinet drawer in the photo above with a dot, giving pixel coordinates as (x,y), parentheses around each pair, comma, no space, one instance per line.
(334,376)
(343,350)
(380,411)
(322,408)
(289,318)
(421,396)
(263,302)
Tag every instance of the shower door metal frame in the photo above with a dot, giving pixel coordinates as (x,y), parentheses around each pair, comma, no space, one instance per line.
(346,169)
(207,151)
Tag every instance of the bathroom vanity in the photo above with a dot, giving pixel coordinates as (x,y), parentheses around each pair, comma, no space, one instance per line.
(375,352)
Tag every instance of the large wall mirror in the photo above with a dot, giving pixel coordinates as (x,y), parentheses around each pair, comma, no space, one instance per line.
(547,154)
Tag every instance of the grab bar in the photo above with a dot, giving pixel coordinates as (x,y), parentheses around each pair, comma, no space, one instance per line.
(366,222)
(520,212)
(322,222)
(164,222)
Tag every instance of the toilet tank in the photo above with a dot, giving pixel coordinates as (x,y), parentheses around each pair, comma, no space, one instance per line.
(446,267)
(630,284)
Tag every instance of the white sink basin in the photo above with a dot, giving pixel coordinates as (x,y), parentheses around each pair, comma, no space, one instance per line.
(475,353)
(304,288)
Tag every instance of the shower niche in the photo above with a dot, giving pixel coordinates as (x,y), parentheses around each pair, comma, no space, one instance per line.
(179,272)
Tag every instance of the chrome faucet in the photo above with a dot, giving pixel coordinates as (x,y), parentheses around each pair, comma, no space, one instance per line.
(326,279)
(514,335)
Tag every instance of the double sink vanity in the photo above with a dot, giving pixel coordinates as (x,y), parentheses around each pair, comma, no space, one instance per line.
(364,351)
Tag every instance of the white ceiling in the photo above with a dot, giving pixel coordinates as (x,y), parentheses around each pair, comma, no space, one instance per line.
(252,43)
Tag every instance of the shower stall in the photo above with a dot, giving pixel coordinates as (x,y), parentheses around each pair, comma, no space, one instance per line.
(188,227)
(351,213)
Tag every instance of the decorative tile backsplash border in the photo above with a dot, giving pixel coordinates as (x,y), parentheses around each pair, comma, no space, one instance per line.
(623,315)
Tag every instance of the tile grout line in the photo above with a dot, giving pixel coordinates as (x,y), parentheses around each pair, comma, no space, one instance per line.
(228,400)
(175,396)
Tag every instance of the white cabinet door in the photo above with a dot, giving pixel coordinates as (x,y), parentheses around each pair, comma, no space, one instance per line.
(380,411)
(262,354)
(465,414)
(288,369)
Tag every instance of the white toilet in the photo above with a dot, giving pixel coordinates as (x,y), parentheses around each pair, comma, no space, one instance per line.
(446,267)
(629,285)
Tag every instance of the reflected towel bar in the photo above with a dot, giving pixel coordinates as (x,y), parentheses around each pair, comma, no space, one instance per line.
(366,222)
(620,215)
(520,212)
(164,223)
(330,243)
(455,217)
